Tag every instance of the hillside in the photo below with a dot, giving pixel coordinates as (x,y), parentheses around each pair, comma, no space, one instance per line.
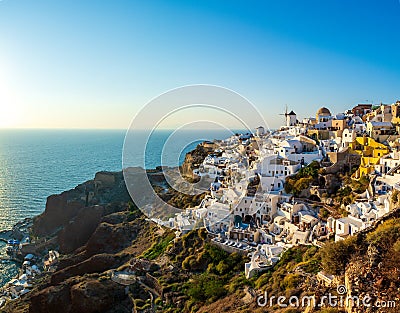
(99,232)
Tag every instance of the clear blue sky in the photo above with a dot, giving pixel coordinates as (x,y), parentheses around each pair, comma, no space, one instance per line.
(94,64)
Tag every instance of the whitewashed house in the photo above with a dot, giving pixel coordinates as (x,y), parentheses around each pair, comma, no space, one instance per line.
(276,166)
(347,226)
(299,149)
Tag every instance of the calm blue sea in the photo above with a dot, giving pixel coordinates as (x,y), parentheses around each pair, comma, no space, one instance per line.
(37,163)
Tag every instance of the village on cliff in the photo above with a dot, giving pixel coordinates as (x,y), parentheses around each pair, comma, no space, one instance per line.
(272,190)
(312,181)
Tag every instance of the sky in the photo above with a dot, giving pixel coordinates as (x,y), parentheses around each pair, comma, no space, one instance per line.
(95,64)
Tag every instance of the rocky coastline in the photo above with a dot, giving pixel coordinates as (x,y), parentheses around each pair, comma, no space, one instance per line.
(97,230)
(97,252)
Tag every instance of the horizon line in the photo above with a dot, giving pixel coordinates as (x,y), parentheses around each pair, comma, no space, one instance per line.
(113,129)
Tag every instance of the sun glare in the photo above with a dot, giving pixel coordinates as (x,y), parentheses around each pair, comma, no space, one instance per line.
(8,111)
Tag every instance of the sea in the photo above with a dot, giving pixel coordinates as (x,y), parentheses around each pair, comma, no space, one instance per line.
(35,164)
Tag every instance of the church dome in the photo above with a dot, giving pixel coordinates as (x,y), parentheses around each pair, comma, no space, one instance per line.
(323,111)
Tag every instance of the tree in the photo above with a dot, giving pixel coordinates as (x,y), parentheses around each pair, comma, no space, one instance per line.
(336,255)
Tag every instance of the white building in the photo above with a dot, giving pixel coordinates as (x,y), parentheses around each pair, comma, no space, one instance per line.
(348,136)
(262,207)
(269,184)
(276,166)
(291,119)
(260,131)
(388,163)
(218,217)
(298,149)
(358,125)
(347,226)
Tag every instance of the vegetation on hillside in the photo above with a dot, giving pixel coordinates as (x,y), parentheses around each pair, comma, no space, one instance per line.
(338,189)
(205,274)
(158,247)
(290,272)
(336,255)
(208,272)
(385,238)
(302,179)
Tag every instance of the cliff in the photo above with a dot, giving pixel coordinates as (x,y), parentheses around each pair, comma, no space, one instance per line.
(93,226)
(99,233)
(97,229)
(63,209)
(194,158)
(374,271)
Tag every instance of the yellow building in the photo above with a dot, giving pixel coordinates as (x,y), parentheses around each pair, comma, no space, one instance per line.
(396,113)
(370,151)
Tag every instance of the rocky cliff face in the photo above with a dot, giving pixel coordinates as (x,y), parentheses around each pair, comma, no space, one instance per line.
(60,209)
(371,273)
(194,158)
(99,232)
(96,230)
(79,204)
(80,228)
(79,294)
(369,283)
(373,276)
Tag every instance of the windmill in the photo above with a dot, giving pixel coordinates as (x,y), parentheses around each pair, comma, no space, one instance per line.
(290,118)
(286,112)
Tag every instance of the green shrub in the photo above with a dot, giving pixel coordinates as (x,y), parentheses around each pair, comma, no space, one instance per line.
(386,234)
(263,280)
(158,301)
(290,281)
(206,287)
(222,268)
(159,247)
(336,255)
(324,213)
(139,303)
(309,253)
(238,282)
